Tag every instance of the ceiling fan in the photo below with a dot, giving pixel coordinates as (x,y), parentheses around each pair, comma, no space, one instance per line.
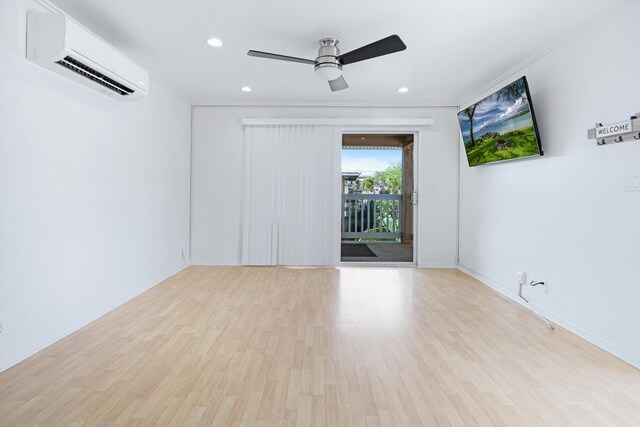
(328,64)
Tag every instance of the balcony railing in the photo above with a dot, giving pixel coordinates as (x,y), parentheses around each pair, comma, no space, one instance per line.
(371,216)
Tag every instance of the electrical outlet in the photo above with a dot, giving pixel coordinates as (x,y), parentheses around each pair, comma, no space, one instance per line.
(522,278)
(522,282)
(1,327)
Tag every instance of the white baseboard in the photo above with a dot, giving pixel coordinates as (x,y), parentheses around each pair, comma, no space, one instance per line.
(203,261)
(438,265)
(79,323)
(631,359)
(213,262)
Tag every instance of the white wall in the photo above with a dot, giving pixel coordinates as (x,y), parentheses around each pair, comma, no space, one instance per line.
(566,218)
(94,196)
(216,223)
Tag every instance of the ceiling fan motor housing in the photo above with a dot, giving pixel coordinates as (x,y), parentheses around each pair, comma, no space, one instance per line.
(327,66)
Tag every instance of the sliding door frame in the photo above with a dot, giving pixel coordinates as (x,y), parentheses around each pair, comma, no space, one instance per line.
(417,141)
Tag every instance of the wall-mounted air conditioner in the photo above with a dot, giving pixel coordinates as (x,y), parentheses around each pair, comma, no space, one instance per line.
(61,45)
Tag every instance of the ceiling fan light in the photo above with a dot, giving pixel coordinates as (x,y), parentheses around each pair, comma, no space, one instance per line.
(328,72)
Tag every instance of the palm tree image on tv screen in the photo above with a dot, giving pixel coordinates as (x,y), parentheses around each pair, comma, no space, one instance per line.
(500,126)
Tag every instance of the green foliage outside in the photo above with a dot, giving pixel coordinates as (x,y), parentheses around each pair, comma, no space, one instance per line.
(390,179)
(368,183)
(522,143)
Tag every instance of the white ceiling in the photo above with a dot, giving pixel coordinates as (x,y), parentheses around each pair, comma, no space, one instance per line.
(454,48)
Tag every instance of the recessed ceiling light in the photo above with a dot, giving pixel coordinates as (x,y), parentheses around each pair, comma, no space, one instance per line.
(245,89)
(363,138)
(214,42)
(403,89)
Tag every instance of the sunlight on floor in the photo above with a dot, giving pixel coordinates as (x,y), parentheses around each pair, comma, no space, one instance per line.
(373,297)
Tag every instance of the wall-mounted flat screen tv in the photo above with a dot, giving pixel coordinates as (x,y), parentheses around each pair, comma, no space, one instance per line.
(501,126)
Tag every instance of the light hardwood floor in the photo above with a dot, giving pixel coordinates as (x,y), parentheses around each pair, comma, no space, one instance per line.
(352,346)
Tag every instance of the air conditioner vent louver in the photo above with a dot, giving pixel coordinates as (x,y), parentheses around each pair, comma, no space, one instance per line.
(94,75)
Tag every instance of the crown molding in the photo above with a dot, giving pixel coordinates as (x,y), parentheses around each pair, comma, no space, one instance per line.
(330,121)
(487,88)
(321,105)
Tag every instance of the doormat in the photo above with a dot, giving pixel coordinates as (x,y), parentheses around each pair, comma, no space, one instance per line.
(356,250)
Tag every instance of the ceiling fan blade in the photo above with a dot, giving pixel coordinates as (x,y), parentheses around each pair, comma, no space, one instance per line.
(268,55)
(385,46)
(338,84)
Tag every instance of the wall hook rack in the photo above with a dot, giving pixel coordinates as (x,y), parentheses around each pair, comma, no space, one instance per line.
(616,130)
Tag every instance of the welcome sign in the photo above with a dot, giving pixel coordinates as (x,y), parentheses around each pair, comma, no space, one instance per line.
(612,129)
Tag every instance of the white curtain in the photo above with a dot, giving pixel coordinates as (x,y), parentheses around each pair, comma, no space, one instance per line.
(291,185)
